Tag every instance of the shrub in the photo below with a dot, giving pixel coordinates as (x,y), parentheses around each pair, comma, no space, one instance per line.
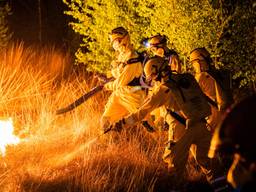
(5,34)
(213,24)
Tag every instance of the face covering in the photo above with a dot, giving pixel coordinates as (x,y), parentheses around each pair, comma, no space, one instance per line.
(116,45)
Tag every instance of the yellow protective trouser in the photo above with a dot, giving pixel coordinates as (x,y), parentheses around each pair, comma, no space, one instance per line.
(121,103)
(176,129)
(159,118)
(196,134)
(175,132)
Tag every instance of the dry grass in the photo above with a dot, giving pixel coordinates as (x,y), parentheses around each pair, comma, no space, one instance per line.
(59,153)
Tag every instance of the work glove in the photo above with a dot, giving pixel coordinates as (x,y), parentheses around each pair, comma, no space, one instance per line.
(106,127)
(165,126)
(101,78)
(124,123)
(118,126)
(130,121)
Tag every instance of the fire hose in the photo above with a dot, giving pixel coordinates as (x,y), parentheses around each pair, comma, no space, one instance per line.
(83,98)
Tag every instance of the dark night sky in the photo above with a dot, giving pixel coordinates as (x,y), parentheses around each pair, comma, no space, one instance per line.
(24,21)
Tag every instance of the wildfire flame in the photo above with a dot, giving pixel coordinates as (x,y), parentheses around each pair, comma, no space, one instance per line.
(6,135)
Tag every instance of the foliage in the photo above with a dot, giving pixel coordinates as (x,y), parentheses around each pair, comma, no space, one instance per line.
(5,34)
(184,23)
(237,44)
(188,24)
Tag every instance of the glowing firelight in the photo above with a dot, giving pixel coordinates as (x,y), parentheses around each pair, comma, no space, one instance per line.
(6,135)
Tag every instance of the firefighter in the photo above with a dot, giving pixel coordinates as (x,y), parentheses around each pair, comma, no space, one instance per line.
(181,93)
(158,46)
(176,128)
(127,94)
(201,60)
(235,137)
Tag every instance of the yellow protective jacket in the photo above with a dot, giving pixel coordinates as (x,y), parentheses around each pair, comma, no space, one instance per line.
(188,100)
(194,107)
(159,96)
(124,73)
(124,99)
(176,129)
(211,89)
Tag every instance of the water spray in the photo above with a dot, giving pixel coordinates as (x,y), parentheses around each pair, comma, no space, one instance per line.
(65,159)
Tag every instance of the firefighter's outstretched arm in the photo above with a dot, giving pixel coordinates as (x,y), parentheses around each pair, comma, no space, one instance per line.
(158,99)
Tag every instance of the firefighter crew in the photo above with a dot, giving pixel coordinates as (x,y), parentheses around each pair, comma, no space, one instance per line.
(181,93)
(126,95)
(201,60)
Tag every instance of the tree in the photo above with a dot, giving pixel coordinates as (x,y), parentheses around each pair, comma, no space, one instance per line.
(183,22)
(188,24)
(5,34)
(237,43)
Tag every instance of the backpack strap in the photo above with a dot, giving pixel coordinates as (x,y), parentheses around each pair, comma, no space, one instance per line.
(215,77)
(136,80)
(133,60)
(178,87)
(211,102)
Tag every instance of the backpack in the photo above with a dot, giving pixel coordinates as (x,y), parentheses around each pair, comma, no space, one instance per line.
(188,96)
(224,96)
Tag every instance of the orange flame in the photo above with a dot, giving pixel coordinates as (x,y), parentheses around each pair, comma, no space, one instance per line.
(6,135)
